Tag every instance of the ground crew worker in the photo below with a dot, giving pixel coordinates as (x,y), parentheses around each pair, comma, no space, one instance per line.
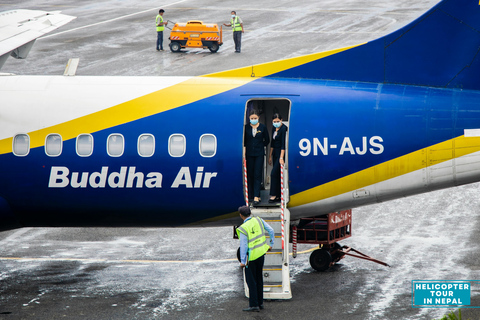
(237,24)
(253,246)
(160,27)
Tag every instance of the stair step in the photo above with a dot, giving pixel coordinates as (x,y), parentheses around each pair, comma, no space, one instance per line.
(273,285)
(272,276)
(272,267)
(272,290)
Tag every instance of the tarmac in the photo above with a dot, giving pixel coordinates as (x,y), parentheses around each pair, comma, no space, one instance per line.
(156,273)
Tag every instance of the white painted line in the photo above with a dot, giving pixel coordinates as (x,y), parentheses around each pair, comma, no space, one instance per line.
(111,261)
(25,259)
(111,20)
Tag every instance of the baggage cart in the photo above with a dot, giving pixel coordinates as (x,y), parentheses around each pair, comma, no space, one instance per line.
(196,34)
(326,231)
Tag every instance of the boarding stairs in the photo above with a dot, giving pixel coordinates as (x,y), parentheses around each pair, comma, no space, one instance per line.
(276,270)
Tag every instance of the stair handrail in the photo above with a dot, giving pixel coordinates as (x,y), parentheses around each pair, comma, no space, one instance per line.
(246,181)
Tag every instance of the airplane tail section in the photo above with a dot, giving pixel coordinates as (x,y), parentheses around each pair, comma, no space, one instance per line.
(439,49)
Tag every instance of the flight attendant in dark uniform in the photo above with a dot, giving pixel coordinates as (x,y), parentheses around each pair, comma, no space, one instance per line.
(255,140)
(277,156)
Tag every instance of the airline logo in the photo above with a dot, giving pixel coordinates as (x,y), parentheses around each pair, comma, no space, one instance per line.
(127,177)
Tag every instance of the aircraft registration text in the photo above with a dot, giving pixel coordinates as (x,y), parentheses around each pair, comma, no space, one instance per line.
(317,147)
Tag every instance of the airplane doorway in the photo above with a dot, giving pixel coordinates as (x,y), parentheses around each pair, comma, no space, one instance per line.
(266,108)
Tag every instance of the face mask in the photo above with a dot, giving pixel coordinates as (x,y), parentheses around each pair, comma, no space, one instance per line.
(254,122)
(233,16)
(277,124)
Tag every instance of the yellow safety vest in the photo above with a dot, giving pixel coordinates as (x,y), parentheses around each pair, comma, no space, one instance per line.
(257,242)
(235,24)
(160,27)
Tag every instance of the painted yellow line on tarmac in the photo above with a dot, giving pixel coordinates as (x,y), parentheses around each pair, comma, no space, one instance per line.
(25,259)
(307,251)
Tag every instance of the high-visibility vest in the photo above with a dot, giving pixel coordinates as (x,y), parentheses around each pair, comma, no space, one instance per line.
(235,24)
(159,20)
(257,242)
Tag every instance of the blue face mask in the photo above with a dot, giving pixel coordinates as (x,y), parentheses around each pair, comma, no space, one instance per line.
(233,16)
(254,122)
(277,124)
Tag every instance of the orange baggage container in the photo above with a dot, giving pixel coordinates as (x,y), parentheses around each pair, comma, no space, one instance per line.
(195,34)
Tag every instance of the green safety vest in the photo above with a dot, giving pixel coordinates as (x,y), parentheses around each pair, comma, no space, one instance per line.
(161,27)
(235,24)
(257,242)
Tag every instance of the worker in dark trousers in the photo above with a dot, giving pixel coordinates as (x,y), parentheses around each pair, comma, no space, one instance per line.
(253,246)
(237,25)
(160,27)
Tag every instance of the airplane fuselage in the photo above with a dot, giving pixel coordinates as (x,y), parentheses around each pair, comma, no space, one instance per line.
(150,164)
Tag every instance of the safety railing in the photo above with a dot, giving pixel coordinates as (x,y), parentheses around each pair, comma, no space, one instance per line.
(282,206)
(246,181)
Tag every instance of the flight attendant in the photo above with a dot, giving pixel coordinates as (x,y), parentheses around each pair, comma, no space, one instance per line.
(255,140)
(277,156)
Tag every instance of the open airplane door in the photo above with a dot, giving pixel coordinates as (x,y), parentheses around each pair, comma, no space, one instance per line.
(266,108)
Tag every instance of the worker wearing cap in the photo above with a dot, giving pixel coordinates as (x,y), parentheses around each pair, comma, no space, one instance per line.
(160,27)
(253,246)
(237,24)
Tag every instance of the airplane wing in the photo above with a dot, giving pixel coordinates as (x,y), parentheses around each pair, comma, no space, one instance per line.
(20,28)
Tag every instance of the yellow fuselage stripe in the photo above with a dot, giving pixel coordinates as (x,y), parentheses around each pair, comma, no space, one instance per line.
(411,162)
(178,95)
(423,158)
(144,106)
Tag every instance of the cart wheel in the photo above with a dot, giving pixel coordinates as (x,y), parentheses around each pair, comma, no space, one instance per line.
(238,255)
(214,47)
(175,46)
(337,255)
(320,260)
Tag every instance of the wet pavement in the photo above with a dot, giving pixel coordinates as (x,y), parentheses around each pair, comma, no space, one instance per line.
(97,273)
(118,37)
(135,273)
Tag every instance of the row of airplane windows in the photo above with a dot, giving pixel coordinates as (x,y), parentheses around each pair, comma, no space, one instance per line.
(177,145)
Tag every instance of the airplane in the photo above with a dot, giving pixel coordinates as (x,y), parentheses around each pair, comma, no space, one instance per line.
(373,122)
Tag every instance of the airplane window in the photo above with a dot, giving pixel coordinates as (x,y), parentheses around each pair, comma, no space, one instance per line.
(53,145)
(208,145)
(176,145)
(115,145)
(146,145)
(21,145)
(84,145)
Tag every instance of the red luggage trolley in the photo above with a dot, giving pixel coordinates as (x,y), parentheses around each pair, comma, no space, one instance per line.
(326,231)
